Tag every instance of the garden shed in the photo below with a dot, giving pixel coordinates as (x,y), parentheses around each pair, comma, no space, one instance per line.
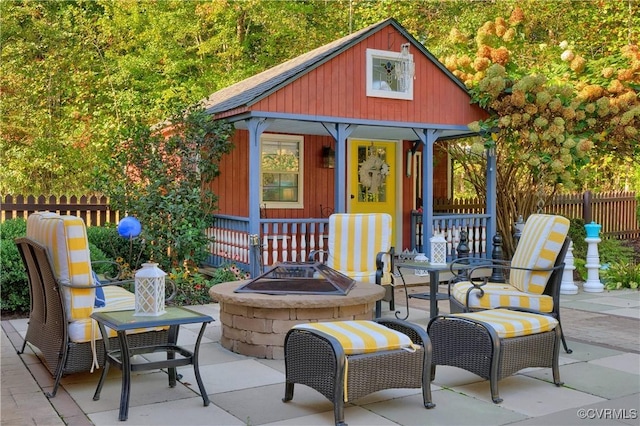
(356,125)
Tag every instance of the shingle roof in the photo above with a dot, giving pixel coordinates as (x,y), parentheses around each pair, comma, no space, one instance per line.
(253,89)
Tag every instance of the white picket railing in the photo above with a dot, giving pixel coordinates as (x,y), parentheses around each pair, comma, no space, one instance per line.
(284,240)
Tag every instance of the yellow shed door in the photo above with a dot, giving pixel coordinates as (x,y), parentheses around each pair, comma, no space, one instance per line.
(372,178)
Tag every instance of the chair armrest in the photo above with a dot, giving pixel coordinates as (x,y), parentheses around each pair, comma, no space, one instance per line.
(315,255)
(130,286)
(98,265)
(380,264)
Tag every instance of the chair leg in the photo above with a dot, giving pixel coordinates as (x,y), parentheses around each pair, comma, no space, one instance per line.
(288,392)
(56,382)
(338,412)
(24,345)
(555,364)
(564,342)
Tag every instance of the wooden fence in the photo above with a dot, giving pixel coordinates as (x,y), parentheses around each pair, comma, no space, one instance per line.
(615,211)
(93,209)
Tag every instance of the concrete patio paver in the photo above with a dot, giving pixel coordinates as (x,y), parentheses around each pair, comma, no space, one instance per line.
(601,376)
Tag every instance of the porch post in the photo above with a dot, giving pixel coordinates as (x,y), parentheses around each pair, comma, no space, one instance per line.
(340,133)
(491,207)
(428,138)
(256,126)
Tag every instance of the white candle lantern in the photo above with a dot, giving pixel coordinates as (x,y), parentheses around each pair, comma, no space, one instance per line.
(149,290)
(438,250)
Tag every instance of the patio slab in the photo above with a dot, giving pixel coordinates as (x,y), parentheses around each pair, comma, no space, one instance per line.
(602,373)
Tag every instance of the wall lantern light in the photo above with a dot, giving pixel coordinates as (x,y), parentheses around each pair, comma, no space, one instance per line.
(328,157)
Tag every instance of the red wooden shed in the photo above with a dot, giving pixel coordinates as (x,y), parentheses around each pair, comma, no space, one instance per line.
(356,125)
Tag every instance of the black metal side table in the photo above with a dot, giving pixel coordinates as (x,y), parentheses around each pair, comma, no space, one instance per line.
(121,321)
(434,280)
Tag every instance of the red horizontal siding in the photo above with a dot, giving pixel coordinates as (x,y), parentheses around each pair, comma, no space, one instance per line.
(232,186)
(337,88)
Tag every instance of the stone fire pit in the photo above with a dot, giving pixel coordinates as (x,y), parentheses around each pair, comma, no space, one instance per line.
(255,324)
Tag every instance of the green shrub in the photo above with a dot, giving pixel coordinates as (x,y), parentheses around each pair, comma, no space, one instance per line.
(621,275)
(128,254)
(13,228)
(610,250)
(14,284)
(192,287)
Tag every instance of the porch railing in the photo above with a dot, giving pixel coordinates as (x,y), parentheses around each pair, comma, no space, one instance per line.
(451,226)
(282,240)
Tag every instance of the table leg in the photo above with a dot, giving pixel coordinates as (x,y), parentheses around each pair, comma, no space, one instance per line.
(126,376)
(406,296)
(196,368)
(105,368)
(173,340)
(434,281)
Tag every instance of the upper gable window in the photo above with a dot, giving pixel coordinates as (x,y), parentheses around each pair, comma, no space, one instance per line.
(390,74)
(281,171)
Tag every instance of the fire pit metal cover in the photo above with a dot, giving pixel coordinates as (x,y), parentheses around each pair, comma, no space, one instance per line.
(299,278)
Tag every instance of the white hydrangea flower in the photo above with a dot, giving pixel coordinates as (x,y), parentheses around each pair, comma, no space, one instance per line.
(567,56)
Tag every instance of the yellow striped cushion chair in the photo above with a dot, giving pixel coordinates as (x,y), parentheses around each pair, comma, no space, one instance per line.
(538,248)
(65,238)
(355,239)
(541,241)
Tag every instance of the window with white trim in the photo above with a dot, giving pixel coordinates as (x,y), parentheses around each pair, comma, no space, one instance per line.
(281,168)
(390,74)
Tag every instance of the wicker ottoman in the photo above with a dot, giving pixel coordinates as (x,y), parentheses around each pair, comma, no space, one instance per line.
(496,343)
(318,360)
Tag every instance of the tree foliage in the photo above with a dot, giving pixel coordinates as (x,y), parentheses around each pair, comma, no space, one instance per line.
(551,122)
(159,175)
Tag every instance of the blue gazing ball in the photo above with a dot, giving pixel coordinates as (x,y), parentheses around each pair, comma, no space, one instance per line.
(129,227)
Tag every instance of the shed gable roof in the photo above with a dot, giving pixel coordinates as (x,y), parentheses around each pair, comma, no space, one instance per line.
(251,90)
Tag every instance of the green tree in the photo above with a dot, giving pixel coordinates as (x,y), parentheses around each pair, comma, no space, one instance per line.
(550,123)
(159,176)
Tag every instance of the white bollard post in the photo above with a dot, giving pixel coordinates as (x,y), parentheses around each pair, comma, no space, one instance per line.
(567,286)
(593,284)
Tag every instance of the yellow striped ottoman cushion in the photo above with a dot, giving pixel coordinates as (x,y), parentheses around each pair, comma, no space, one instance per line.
(538,248)
(509,323)
(354,242)
(358,337)
(497,294)
(65,238)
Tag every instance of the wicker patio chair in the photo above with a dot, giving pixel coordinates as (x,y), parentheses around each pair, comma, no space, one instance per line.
(62,298)
(318,360)
(359,246)
(534,273)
